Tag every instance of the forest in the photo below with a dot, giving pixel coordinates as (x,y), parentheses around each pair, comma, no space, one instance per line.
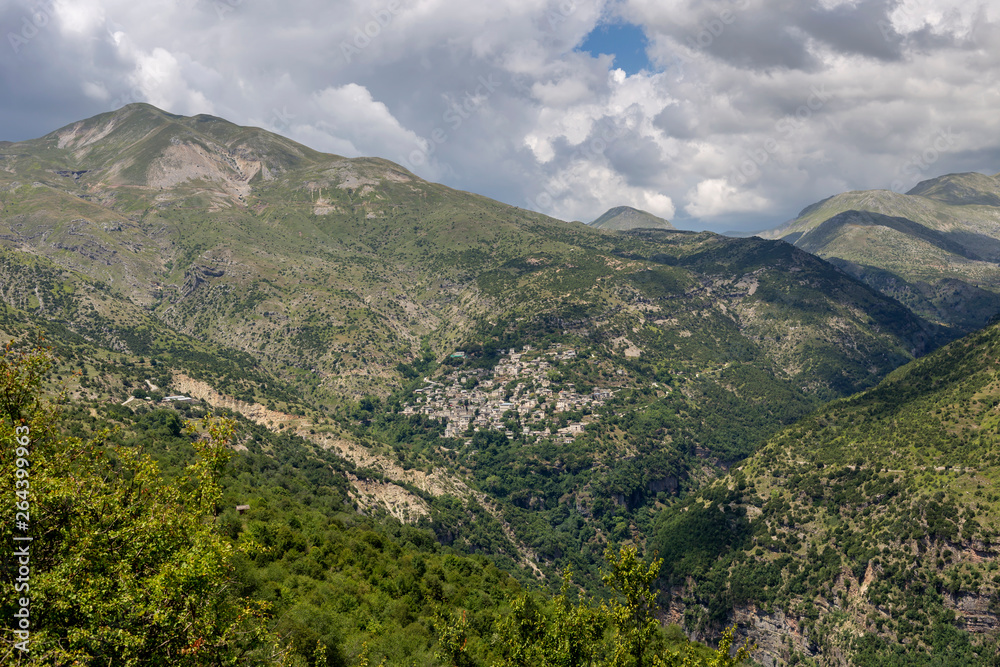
(139,555)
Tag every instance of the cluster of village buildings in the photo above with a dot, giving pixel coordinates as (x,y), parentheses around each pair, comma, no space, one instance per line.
(516,391)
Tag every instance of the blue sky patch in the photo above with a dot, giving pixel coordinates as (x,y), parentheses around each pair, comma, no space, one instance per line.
(625,41)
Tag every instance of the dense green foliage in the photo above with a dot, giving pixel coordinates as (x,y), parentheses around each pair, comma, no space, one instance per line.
(139,555)
(874,520)
(123,567)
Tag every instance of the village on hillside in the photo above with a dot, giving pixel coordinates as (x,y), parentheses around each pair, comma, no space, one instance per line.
(518,394)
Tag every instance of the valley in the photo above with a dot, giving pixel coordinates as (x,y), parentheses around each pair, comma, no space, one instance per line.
(423,375)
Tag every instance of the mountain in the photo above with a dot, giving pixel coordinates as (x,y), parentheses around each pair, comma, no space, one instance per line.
(866,534)
(329,270)
(523,388)
(935,248)
(624,218)
(961,189)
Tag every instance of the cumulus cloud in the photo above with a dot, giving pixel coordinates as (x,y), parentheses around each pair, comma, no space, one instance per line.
(715,197)
(350,115)
(754,109)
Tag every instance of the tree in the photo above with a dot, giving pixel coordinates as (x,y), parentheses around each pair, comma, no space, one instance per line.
(125,569)
(621,632)
(633,615)
(557,635)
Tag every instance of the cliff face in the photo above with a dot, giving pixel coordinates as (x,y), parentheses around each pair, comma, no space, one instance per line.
(782,633)
(780,636)
(777,635)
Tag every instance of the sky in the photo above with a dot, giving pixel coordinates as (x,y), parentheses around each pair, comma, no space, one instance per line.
(715,114)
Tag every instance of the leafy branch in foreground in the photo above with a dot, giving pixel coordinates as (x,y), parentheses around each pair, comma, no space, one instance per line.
(622,632)
(126,569)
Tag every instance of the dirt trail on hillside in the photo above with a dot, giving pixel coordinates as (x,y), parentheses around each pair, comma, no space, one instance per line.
(396,500)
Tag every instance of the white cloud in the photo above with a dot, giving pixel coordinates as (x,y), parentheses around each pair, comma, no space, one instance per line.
(168,81)
(738,84)
(583,191)
(716,197)
(957,18)
(79,16)
(95,90)
(349,114)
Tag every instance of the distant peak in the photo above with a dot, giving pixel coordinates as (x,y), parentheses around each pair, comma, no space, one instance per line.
(622,218)
(618,210)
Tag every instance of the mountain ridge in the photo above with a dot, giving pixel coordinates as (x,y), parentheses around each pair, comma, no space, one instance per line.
(577,382)
(925,247)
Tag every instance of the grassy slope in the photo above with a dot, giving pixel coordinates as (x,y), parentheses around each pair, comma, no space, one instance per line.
(949,244)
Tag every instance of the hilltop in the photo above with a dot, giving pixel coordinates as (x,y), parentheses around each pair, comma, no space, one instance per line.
(935,248)
(624,218)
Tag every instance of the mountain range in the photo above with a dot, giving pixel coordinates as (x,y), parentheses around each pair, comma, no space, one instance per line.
(529,390)
(935,248)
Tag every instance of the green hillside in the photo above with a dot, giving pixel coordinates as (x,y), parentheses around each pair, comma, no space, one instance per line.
(165,536)
(340,285)
(520,391)
(329,271)
(935,248)
(868,531)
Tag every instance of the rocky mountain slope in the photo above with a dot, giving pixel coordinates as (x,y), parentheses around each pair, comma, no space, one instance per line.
(866,534)
(935,248)
(330,271)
